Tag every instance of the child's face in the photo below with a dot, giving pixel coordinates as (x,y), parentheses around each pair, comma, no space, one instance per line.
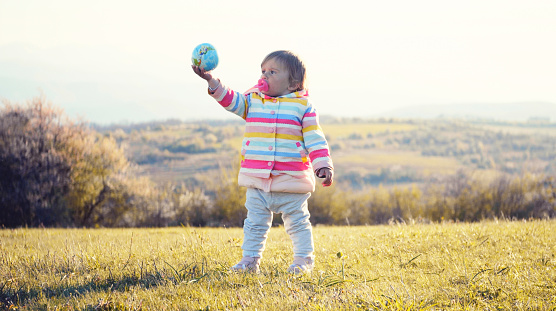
(278,78)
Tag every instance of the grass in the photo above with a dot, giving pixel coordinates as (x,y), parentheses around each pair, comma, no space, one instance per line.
(344,130)
(480,266)
(374,159)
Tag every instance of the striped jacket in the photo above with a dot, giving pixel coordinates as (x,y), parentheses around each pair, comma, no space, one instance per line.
(283,144)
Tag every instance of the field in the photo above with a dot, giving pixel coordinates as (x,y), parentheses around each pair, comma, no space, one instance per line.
(344,130)
(365,152)
(497,265)
(373,160)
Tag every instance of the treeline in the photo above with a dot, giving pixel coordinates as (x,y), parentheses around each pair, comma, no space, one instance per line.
(473,144)
(480,148)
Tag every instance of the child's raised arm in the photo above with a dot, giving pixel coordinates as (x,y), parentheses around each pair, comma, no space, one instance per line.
(226,97)
(206,75)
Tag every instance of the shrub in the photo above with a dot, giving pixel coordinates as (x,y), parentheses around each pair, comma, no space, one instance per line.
(35,170)
(57,172)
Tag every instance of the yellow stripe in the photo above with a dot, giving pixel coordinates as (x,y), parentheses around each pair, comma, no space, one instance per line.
(290,137)
(284,99)
(262,135)
(294,100)
(311,128)
(244,116)
(272,135)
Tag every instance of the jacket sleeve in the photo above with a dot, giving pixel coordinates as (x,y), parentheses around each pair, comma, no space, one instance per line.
(315,142)
(235,102)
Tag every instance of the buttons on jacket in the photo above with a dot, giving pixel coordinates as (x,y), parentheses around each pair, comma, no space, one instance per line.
(270,148)
(269,163)
(272,112)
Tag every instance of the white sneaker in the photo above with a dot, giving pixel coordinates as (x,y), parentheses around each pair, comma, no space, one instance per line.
(247,264)
(301,265)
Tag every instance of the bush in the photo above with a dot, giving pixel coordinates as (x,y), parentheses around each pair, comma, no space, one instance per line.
(57,172)
(461,197)
(229,198)
(35,172)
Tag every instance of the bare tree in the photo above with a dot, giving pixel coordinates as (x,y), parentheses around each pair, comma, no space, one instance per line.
(34,174)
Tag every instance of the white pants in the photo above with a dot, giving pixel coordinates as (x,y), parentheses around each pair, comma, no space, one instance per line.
(295,213)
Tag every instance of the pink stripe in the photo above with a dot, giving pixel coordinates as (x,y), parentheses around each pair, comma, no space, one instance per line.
(270,129)
(291,166)
(284,121)
(310,114)
(257,129)
(307,123)
(227,100)
(279,166)
(260,120)
(256,164)
(320,153)
(265,120)
(288,131)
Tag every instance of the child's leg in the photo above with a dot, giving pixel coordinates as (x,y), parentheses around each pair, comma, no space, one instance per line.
(257,224)
(295,213)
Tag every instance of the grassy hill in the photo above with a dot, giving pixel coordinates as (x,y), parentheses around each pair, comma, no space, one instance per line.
(365,152)
(385,170)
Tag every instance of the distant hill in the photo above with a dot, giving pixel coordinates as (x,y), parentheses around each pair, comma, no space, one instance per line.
(521,112)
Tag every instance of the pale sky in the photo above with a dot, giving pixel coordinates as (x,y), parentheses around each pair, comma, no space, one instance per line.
(112,61)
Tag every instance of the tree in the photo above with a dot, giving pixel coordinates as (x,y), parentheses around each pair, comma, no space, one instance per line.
(96,162)
(35,175)
(54,171)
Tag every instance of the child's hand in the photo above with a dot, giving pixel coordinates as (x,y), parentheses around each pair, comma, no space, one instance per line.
(327,174)
(201,73)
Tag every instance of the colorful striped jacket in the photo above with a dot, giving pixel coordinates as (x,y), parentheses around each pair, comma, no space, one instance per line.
(283,144)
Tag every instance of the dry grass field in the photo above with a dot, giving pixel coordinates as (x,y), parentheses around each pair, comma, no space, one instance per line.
(374,159)
(365,152)
(339,131)
(497,265)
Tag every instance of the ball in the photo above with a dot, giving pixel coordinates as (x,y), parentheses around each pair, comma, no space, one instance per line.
(204,56)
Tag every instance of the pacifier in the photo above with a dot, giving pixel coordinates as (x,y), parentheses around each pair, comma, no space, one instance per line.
(262,85)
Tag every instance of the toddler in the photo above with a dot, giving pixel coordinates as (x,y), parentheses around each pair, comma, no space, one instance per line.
(282,149)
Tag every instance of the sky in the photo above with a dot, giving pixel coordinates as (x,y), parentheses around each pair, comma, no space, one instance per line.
(129,61)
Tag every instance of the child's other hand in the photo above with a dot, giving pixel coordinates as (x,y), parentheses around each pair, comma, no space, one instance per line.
(327,174)
(202,73)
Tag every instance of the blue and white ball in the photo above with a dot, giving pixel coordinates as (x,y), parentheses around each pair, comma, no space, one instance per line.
(205,56)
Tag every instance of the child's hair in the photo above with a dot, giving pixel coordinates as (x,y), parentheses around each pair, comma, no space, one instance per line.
(295,66)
